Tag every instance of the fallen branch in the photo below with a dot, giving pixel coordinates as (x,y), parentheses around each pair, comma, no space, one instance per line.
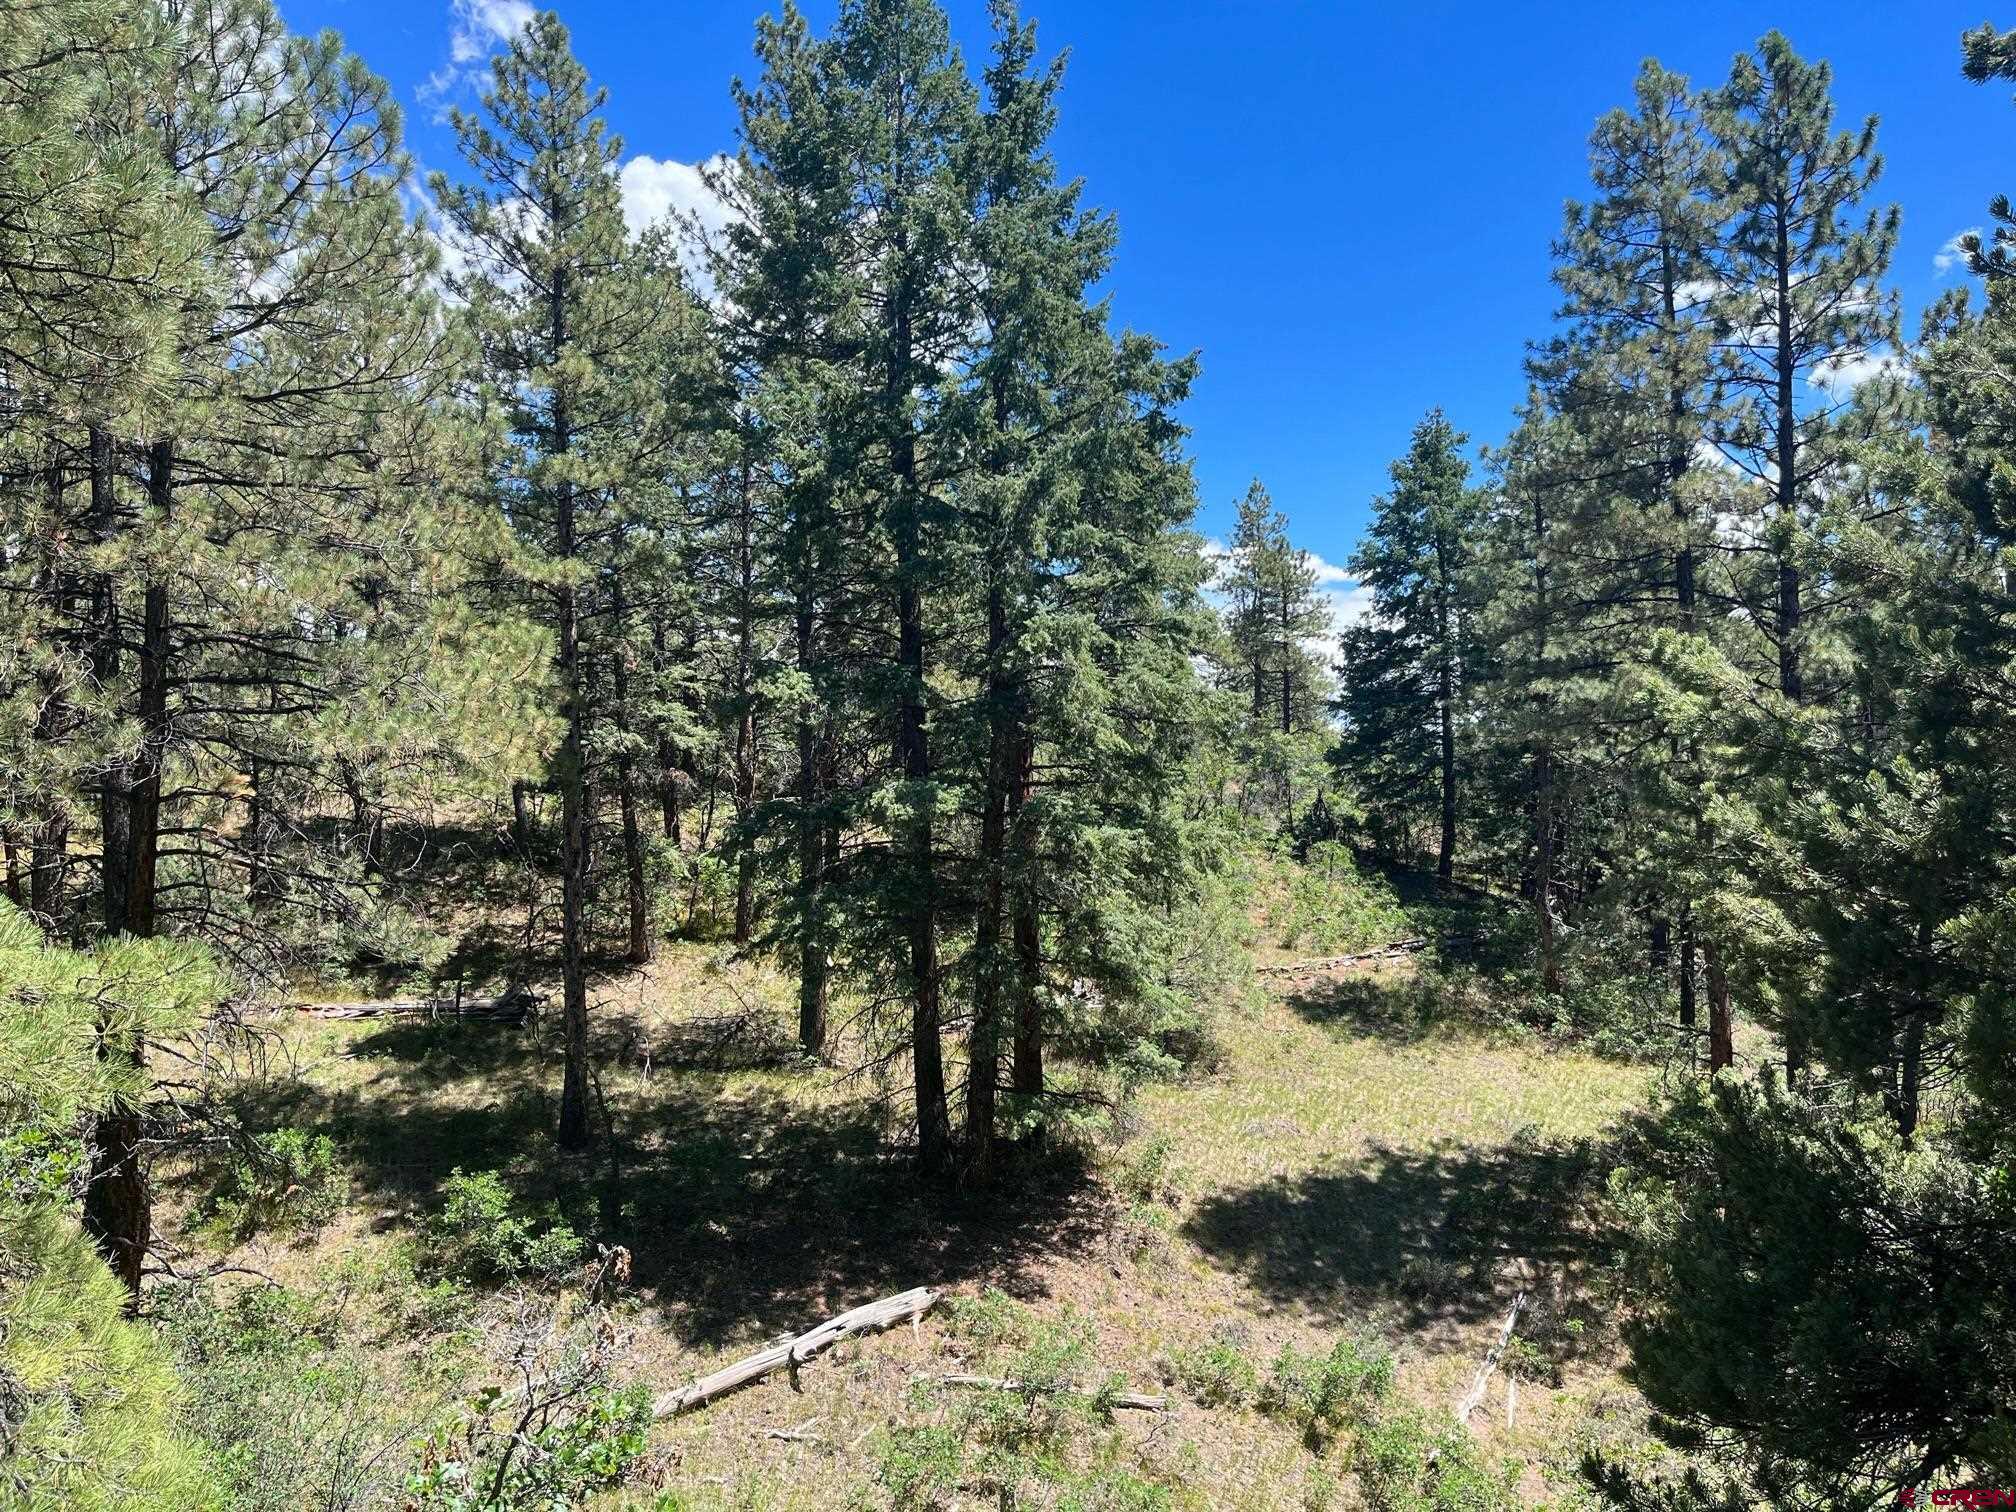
(1333,963)
(510,1008)
(1475,1396)
(791,1352)
(1120,1401)
(792,1436)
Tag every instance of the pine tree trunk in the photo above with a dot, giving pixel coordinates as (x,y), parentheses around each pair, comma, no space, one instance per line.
(812,961)
(1721,1037)
(913,752)
(1027,1076)
(574,796)
(1445,854)
(1687,1010)
(983,1044)
(12,851)
(145,787)
(1910,1069)
(638,946)
(117,1208)
(745,724)
(1543,866)
(118,1212)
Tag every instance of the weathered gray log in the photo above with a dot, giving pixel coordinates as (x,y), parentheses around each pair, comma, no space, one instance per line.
(1475,1397)
(794,1351)
(1121,1401)
(1332,963)
(511,1007)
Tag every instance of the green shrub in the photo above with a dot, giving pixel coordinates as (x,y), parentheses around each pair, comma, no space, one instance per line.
(1217,1374)
(919,1467)
(289,1180)
(1327,906)
(1149,1174)
(292,1417)
(1407,1462)
(480,1236)
(1113,1490)
(988,1321)
(1321,1393)
(581,1444)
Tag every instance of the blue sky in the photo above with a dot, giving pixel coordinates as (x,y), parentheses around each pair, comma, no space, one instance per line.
(1345,208)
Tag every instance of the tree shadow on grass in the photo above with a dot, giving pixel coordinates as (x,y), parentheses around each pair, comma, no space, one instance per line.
(1385,1002)
(746,1210)
(1430,1241)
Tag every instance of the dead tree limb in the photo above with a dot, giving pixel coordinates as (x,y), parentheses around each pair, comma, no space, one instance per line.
(1334,963)
(794,1351)
(510,1008)
(1475,1396)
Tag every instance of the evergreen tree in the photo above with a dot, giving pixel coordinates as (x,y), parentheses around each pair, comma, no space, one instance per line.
(567,311)
(1800,310)
(1404,666)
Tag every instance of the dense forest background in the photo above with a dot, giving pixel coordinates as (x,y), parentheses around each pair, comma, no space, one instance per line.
(764,685)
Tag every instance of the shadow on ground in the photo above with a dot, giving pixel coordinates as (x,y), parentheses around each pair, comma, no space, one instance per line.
(746,1210)
(1411,1238)
(1385,1001)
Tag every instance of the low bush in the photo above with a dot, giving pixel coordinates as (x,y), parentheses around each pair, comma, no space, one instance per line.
(290,1414)
(1322,1393)
(481,1235)
(1409,1462)
(289,1180)
(1216,1374)
(1326,905)
(535,1461)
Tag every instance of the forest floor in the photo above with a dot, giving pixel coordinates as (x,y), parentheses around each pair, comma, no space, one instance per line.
(1341,1171)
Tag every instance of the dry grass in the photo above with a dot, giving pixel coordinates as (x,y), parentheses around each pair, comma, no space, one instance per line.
(1334,1174)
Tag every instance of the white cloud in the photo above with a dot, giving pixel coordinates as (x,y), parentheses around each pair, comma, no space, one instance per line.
(1350,602)
(476,28)
(1692,293)
(1950,256)
(481,24)
(654,188)
(658,189)
(1841,376)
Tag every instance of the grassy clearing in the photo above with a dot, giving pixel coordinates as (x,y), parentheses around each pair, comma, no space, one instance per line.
(1343,1171)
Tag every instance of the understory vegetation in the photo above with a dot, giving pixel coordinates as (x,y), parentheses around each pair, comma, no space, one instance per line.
(577,801)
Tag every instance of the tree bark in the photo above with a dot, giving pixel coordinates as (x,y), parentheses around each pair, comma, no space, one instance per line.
(1721,1038)
(745,703)
(1027,1074)
(638,946)
(573,774)
(983,1043)
(812,946)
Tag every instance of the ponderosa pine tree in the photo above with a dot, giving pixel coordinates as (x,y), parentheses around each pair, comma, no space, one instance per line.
(248,597)
(1800,308)
(1404,665)
(1633,378)
(567,310)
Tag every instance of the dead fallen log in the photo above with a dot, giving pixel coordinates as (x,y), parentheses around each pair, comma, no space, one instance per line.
(1474,1398)
(512,1007)
(1333,963)
(1119,1401)
(793,1351)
